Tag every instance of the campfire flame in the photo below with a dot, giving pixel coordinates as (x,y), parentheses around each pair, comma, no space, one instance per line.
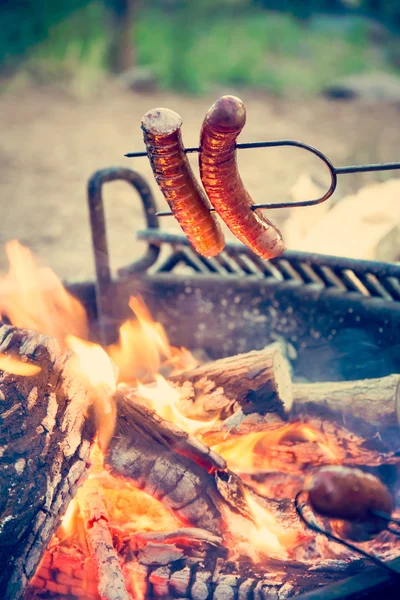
(164,399)
(93,365)
(249,453)
(15,366)
(31,296)
(266,535)
(141,347)
(68,521)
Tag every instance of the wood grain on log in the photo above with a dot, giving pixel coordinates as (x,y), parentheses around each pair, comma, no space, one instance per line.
(302,445)
(364,407)
(215,577)
(256,381)
(110,580)
(44,444)
(173,466)
(375,401)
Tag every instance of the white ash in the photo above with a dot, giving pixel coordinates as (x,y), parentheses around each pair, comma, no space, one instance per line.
(20,465)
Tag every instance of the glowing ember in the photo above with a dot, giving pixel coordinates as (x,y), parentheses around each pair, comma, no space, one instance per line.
(249,453)
(15,366)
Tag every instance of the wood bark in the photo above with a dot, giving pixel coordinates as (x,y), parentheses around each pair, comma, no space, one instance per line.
(174,467)
(257,381)
(365,407)
(375,401)
(44,444)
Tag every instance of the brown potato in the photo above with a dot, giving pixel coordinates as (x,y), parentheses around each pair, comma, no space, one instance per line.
(349,496)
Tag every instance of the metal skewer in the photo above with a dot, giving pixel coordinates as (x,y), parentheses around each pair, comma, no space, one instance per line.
(299,506)
(334,171)
(393,525)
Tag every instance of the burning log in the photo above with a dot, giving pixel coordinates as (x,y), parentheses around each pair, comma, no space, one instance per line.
(243,382)
(111,585)
(297,446)
(202,578)
(174,467)
(44,444)
(258,381)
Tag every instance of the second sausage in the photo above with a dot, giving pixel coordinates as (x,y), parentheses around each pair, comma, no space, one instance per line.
(221,180)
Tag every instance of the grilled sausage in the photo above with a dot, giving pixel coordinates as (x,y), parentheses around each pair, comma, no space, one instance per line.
(350,496)
(172,171)
(221,180)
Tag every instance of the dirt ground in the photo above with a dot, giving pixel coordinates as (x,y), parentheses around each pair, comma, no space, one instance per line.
(51,143)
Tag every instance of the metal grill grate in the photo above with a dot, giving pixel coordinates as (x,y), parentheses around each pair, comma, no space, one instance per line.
(365,278)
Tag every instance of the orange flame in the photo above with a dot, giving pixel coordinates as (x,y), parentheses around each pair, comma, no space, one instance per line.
(267,533)
(15,366)
(95,367)
(68,521)
(243,454)
(141,346)
(262,537)
(137,580)
(34,298)
(164,399)
(181,360)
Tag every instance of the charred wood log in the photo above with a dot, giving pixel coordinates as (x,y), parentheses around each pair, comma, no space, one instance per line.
(257,381)
(197,578)
(302,445)
(44,444)
(174,467)
(110,580)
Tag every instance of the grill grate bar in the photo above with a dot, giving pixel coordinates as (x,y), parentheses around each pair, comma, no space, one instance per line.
(392,284)
(329,278)
(231,265)
(375,287)
(352,281)
(366,278)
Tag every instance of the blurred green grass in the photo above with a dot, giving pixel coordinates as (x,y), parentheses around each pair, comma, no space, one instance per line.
(252,48)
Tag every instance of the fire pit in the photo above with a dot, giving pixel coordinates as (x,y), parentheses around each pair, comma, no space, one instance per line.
(195,500)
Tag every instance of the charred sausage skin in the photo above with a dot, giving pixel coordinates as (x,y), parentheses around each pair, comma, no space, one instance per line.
(188,202)
(221,180)
(350,496)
